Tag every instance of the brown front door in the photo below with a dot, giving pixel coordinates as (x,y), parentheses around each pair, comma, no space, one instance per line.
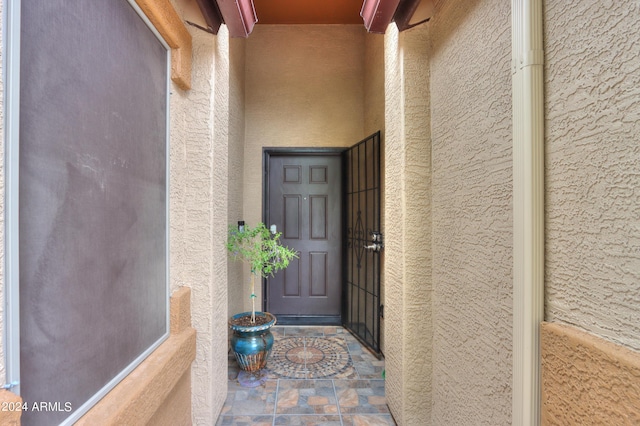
(305,203)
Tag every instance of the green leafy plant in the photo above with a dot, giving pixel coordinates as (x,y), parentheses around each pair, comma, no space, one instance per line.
(261,250)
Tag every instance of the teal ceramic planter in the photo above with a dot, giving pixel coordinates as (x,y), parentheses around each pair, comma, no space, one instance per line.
(252,345)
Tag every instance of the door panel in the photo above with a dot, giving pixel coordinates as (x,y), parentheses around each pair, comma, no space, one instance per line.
(362,266)
(305,202)
(318,217)
(318,274)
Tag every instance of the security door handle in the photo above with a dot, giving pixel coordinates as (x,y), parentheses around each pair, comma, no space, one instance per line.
(374,247)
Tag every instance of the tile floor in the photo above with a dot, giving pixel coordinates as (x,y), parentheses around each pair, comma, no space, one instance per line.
(315,376)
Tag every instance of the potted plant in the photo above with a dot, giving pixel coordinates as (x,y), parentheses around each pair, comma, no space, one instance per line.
(261,250)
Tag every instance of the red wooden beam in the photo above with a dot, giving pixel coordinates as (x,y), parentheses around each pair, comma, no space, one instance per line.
(377,14)
(412,12)
(239,16)
(211,14)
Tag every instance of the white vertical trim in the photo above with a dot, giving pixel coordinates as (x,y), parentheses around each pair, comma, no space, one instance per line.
(528,208)
(167,139)
(11,64)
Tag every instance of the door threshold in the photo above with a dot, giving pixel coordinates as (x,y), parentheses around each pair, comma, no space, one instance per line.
(309,320)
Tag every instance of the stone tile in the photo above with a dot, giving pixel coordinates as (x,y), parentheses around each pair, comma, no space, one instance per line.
(361,396)
(296,420)
(253,401)
(331,330)
(348,372)
(366,356)
(348,398)
(295,331)
(288,398)
(278,374)
(317,400)
(233,371)
(321,380)
(355,348)
(377,400)
(365,370)
(305,397)
(333,340)
(245,421)
(368,420)
(368,370)
(277,331)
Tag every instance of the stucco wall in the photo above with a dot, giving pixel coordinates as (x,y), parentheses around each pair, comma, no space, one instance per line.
(587,380)
(373,74)
(592,87)
(199,202)
(592,271)
(472,212)
(408,283)
(304,87)
(393,295)
(236,161)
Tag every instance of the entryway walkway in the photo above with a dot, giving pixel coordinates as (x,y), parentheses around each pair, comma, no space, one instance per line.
(316,376)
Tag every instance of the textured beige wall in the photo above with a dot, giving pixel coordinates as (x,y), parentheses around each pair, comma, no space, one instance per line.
(408,281)
(592,84)
(587,380)
(199,203)
(10,418)
(178,108)
(304,88)
(393,262)
(592,87)
(373,74)
(236,162)
(472,212)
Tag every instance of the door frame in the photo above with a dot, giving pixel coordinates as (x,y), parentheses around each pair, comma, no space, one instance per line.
(267,152)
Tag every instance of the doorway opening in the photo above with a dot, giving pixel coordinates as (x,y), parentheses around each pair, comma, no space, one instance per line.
(326,203)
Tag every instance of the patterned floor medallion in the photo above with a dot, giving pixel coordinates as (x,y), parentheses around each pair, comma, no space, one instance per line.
(311,358)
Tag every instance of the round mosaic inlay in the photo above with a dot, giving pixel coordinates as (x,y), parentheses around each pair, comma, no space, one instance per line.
(302,355)
(310,358)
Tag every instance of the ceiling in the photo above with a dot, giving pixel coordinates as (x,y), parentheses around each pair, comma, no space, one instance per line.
(308,11)
(240,15)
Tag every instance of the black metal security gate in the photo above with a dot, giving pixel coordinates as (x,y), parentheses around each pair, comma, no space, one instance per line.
(363,241)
